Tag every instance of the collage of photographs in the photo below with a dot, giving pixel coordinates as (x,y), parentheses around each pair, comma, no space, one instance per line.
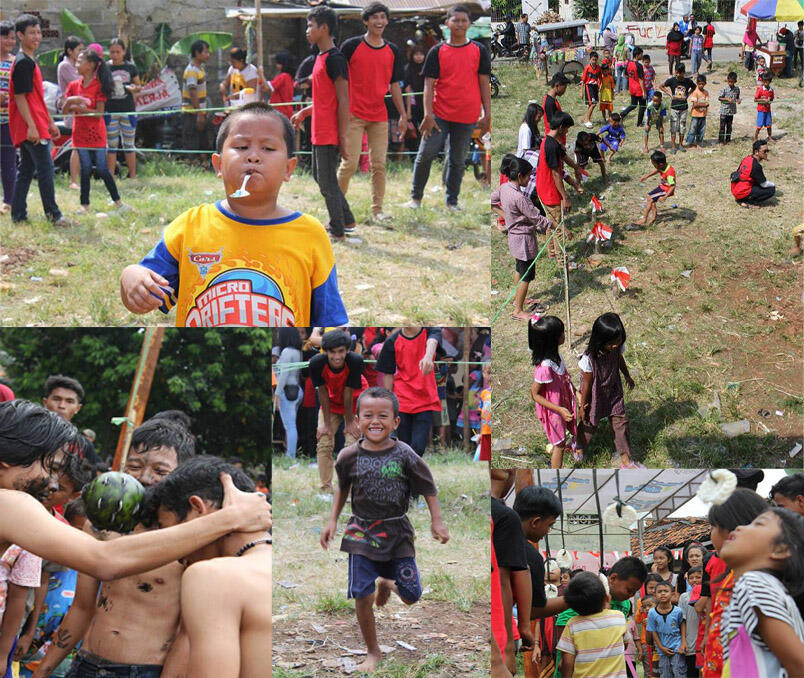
(575,449)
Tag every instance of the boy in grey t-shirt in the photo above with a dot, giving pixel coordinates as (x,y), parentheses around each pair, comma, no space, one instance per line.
(729,97)
(694,579)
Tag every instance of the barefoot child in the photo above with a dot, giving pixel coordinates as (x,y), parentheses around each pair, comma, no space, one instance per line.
(601,388)
(552,388)
(764,96)
(382,475)
(655,114)
(666,187)
(521,222)
(217,268)
(613,134)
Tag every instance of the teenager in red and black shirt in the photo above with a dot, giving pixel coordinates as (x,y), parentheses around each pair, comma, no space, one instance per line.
(337,374)
(374,65)
(590,87)
(456,92)
(550,105)
(406,360)
(636,86)
(330,111)
(30,125)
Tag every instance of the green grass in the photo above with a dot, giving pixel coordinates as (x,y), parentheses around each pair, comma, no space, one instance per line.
(687,337)
(406,274)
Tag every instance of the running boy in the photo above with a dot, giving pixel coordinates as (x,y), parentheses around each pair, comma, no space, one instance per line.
(382,475)
(654,115)
(613,134)
(764,96)
(729,98)
(666,187)
(217,269)
(330,124)
(590,87)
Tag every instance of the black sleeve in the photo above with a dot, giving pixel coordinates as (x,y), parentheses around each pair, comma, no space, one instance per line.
(386,361)
(536,564)
(337,66)
(305,68)
(22,76)
(757,175)
(508,538)
(552,153)
(349,46)
(434,333)
(484,67)
(690,86)
(398,72)
(316,367)
(432,68)
(354,364)
(640,71)
(550,108)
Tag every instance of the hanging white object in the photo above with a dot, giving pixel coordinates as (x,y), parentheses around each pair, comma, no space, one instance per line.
(550,591)
(626,516)
(241,192)
(564,559)
(717,487)
(605,581)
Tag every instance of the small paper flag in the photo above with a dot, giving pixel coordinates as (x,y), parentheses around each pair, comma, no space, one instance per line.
(621,276)
(596,206)
(600,232)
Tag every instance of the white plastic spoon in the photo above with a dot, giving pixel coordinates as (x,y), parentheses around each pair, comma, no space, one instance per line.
(241,192)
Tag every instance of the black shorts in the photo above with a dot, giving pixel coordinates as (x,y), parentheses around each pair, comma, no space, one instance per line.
(583,156)
(591,94)
(525,269)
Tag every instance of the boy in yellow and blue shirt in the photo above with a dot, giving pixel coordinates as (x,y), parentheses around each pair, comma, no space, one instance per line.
(242,261)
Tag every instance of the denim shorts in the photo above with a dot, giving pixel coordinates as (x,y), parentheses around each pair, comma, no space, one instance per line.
(363,572)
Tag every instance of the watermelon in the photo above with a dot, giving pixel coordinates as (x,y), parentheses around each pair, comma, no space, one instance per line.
(113,501)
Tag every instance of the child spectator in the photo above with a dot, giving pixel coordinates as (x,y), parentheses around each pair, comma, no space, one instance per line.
(654,115)
(601,387)
(761,69)
(414,87)
(291,276)
(586,149)
(20,573)
(521,222)
(762,630)
(30,125)
(667,625)
(593,643)
(648,76)
(84,96)
(523,31)
(8,154)
(764,96)
(281,86)
(330,113)
(606,92)
(709,43)
(606,59)
(529,138)
(678,88)
(685,604)
(590,87)
(552,388)
(121,122)
(699,105)
(381,475)
(457,96)
(484,451)
(613,134)
(666,187)
(696,50)
(65,74)
(644,605)
(729,98)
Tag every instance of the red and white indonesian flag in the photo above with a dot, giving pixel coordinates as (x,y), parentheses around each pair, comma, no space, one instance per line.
(600,232)
(621,276)
(596,206)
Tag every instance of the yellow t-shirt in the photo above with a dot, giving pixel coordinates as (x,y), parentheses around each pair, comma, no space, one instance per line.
(231,271)
(598,643)
(194,76)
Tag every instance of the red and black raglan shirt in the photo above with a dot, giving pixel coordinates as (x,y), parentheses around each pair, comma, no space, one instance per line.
(349,376)
(328,67)
(400,356)
(457,88)
(371,72)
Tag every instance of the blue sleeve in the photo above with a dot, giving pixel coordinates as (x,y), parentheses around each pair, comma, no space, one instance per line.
(651,622)
(326,305)
(161,261)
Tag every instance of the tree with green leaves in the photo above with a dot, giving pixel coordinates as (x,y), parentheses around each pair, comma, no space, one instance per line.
(220,377)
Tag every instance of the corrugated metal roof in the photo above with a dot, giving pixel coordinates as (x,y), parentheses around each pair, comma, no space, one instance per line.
(673,533)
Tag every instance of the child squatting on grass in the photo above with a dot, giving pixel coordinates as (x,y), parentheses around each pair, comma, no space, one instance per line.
(382,475)
(244,260)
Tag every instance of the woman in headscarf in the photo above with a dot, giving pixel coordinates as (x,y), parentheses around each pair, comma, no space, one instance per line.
(620,60)
(675,38)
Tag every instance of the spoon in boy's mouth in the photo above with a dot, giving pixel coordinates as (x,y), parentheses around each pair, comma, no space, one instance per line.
(241,192)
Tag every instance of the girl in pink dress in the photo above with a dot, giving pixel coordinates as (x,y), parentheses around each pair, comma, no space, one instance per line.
(552,388)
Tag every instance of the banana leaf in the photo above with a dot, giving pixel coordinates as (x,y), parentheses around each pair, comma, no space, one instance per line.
(216,40)
(72,25)
(50,58)
(144,56)
(162,39)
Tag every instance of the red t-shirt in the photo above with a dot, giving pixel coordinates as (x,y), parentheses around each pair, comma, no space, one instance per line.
(350,375)
(371,71)
(635,75)
(282,92)
(328,67)
(709,36)
(764,93)
(26,78)
(667,178)
(551,157)
(400,356)
(88,131)
(457,87)
(591,75)
(673,47)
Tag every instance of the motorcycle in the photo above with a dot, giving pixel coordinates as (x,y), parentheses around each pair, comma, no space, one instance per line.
(504,46)
(494,81)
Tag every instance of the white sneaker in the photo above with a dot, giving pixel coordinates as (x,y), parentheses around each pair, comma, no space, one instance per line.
(413,204)
(379,218)
(349,230)
(588,125)
(454,208)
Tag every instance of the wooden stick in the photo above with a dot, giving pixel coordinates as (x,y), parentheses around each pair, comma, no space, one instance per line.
(258,37)
(467,438)
(566,278)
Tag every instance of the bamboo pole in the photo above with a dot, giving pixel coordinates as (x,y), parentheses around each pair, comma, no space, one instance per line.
(258,38)
(467,438)
(140,390)
(566,278)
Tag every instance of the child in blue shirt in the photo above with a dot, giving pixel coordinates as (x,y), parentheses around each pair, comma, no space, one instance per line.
(668,627)
(613,134)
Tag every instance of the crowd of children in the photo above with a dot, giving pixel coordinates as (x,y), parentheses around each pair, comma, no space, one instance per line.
(729,606)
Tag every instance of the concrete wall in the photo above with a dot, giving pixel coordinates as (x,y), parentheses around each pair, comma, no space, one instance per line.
(654,33)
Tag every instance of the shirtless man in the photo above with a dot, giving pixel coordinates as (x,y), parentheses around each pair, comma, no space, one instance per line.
(226,590)
(134,621)
(31,440)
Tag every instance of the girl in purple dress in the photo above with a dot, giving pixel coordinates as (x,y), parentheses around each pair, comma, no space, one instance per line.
(552,388)
(601,387)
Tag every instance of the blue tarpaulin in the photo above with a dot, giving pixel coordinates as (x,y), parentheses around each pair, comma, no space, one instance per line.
(609,11)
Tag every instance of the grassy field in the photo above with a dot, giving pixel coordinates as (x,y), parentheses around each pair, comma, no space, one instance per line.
(405,272)
(731,323)
(315,628)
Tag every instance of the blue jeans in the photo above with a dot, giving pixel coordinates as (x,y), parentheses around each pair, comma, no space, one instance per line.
(34,157)
(97,155)
(414,429)
(695,134)
(456,136)
(622,80)
(674,666)
(695,58)
(288,410)
(90,667)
